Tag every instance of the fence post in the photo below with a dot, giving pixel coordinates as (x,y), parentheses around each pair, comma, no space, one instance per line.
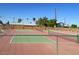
(77,38)
(57,44)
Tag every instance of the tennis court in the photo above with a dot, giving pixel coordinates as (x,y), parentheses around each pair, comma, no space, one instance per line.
(38,42)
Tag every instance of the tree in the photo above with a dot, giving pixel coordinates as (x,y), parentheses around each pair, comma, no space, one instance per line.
(73,26)
(52,22)
(8,23)
(3,25)
(45,22)
(34,19)
(39,22)
(1,22)
(27,19)
(19,20)
(42,21)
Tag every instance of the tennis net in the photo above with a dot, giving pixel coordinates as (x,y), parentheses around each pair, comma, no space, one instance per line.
(68,37)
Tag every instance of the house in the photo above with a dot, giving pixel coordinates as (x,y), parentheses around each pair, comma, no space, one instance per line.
(60,24)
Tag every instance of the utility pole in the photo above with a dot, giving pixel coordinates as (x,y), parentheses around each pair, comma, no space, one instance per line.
(55,26)
(64,21)
(57,35)
(55,14)
(13,19)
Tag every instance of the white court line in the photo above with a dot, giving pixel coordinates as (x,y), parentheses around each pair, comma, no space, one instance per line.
(11,39)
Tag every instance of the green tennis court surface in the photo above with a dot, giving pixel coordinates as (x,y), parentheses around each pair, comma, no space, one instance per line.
(38,39)
(31,39)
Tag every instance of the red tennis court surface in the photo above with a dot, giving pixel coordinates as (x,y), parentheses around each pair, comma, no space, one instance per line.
(64,46)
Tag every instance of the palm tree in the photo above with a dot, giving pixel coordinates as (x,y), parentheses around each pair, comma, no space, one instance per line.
(19,20)
(34,19)
(27,19)
(8,23)
(1,22)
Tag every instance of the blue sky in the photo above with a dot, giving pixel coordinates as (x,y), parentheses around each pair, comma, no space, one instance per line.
(68,12)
